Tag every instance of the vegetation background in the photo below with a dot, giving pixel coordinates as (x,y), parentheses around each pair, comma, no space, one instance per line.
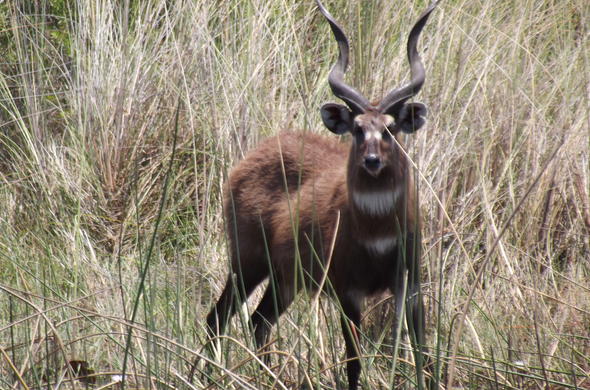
(111,236)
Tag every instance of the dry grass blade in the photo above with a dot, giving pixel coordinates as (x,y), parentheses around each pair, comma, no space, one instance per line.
(88,94)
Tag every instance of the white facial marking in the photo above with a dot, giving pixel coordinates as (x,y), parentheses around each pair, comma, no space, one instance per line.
(381,245)
(377,202)
(373,134)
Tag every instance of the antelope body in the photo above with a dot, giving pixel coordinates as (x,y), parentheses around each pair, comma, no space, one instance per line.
(308,212)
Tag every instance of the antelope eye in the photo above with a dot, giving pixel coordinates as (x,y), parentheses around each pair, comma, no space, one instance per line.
(359,134)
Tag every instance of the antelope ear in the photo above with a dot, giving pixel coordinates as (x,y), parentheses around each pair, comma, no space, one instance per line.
(409,117)
(337,117)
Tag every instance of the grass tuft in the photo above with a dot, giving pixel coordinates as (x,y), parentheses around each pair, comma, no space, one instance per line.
(90,145)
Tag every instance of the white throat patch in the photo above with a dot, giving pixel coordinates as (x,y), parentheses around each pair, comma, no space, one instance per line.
(377,202)
(381,245)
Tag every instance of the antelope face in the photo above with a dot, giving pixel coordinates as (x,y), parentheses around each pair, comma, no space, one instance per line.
(372,141)
(373,131)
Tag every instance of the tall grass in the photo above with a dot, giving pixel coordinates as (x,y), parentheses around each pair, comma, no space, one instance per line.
(88,100)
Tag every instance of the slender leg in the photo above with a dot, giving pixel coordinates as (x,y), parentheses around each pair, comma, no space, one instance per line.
(399,292)
(276,299)
(351,324)
(235,290)
(222,311)
(415,306)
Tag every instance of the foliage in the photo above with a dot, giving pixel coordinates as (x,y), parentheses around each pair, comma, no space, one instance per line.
(88,96)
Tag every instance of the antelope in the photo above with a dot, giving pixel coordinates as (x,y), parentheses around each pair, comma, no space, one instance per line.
(306,211)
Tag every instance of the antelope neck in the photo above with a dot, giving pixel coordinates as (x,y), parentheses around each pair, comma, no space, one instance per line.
(374,212)
(374,197)
(377,202)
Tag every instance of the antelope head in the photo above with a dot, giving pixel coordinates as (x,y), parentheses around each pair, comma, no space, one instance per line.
(373,126)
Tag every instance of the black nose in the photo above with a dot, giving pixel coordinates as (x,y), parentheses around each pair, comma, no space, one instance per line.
(372,161)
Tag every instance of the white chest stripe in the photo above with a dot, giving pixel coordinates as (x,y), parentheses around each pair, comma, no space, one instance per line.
(376,203)
(380,246)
